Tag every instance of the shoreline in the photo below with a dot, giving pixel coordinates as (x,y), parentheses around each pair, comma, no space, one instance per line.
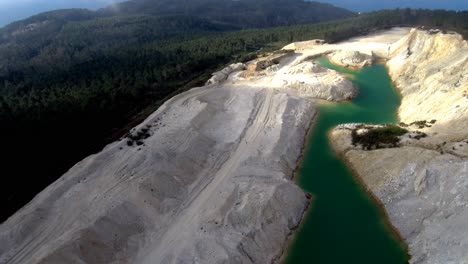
(382,213)
(342,157)
(310,197)
(425,190)
(375,200)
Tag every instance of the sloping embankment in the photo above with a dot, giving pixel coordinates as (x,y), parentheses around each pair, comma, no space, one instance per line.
(423,184)
(207,177)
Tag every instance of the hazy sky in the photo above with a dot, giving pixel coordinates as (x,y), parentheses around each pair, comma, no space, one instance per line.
(11,10)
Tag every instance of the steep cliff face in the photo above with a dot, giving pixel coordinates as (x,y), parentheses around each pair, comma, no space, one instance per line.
(206,178)
(431,72)
(423,184)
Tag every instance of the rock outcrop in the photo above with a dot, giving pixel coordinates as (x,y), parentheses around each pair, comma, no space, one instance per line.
(423,183)
(304,45)
(431,72)
(222,75)
(311,80)
(351,58)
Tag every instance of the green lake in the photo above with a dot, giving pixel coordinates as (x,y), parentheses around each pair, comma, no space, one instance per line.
(344,225)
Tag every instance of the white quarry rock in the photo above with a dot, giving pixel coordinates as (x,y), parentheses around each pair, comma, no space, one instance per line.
(307,67)
(299,75)
(351,58)
(206,178)
(309,79)
(425,195)
(378,44)
(211,182)
(431,72)
(424,185)
(223,74)
(304,45)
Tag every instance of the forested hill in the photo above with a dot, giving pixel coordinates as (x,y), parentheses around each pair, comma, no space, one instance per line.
(73,80)
(238,13)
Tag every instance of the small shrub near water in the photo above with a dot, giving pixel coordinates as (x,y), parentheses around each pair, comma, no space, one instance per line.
(420,123)
(420,135)
(379,137)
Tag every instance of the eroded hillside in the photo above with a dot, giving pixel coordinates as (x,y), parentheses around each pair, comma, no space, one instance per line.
(206,177)
(422,183)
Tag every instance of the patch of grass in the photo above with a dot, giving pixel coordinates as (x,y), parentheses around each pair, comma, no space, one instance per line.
(420,135)
(379,137)
(422,123)
(138,137)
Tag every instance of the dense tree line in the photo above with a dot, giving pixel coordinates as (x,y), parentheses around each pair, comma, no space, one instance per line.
(68,87)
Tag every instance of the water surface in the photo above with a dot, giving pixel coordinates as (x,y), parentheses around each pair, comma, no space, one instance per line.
(344,225)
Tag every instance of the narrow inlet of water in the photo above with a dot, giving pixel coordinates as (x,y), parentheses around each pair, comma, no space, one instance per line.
(344,225)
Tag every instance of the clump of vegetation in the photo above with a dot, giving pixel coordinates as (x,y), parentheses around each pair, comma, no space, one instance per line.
(420,123)
(375,138)
(138,137)
(420,135)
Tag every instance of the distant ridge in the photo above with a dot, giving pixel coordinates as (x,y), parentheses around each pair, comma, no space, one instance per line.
(241,13)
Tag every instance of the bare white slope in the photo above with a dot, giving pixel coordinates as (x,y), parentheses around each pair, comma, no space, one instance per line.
(376,45)
(211,183)
(424,184)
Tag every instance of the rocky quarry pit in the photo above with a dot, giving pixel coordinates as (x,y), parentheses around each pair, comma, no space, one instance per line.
(207,177)
(423,181)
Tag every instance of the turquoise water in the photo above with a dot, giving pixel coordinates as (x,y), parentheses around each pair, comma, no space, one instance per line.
(344,225)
